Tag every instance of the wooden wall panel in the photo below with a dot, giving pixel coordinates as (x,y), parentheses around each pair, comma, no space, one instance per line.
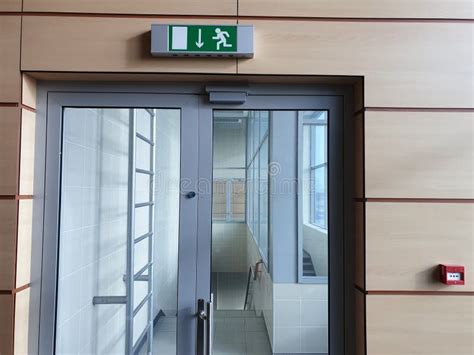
(9,149)
(23,260)
(27,154)
(104,45)
(407,241)
(28,92)
(419,154)
(359,245)
(406,64)
(22,312)
(147,7)
(10,29)
(8,225)
(10,5)
(6,320)
(461,9)
(422,325)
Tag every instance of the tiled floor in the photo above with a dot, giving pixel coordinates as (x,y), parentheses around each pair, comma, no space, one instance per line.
(164,336)
(236,333)
(240,333)
(229,290)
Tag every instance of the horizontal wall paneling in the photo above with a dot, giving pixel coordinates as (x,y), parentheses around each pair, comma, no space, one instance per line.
(423,325)
(419,154)
(407,241)
(148,7)
(458,9)
(104,45)
(405,64)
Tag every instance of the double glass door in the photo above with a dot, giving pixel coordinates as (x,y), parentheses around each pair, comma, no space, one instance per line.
(158,225)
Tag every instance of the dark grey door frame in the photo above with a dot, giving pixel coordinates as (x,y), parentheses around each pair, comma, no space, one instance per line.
(292,101)
(198,165)
(188,207)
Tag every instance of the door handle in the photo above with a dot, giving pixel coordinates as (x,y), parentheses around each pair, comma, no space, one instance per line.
(210,325)
(205,328)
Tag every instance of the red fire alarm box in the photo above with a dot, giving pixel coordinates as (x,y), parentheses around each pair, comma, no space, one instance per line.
(452,274)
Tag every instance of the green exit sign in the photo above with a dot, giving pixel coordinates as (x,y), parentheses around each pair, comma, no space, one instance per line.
(202,40)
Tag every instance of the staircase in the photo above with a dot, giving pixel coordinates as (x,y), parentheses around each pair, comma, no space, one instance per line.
(308,267)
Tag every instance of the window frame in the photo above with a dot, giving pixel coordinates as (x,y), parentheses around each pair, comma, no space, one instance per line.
(302,122)
(312,170)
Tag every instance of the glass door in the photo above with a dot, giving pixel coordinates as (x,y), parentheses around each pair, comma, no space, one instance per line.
(276,223)
(123,255)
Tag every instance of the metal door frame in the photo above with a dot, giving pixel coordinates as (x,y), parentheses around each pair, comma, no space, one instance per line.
(51,96)
(56,101)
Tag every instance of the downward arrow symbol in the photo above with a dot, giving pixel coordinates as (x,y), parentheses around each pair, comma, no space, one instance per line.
(199,43)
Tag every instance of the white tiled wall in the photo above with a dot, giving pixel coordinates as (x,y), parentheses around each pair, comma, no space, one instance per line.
(93,231)
(296,315)
(229,247)
(301,318)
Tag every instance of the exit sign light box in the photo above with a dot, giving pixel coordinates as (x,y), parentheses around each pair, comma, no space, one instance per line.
(202,41)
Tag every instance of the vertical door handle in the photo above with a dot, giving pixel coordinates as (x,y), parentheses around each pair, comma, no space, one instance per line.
(210,325)
(205,326)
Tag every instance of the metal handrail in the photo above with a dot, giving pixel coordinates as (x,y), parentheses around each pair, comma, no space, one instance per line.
(249,277)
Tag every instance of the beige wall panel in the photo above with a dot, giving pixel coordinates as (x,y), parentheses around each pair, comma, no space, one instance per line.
(404,64)
(362,8)
(8,220)
(148,7)
(422,325)
(359,316)
(6,321)
(9,149)
(419,154)
(23,261)
(359,245)
(104,45)
(407,241)
(22,312)
(27,155)
(28,91)
(10,30)
(10,5)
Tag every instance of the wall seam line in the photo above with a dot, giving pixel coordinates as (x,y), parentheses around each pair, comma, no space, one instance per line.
(243,17)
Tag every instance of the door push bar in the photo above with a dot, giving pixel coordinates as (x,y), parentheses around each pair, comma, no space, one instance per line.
(205,328)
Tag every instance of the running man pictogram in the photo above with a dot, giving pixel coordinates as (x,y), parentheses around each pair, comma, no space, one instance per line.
(221,37)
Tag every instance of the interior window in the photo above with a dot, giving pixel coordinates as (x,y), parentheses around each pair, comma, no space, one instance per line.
(315,193)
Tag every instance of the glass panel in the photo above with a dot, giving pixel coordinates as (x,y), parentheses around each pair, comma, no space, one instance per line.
(167,195)
(254,314)
(93,229)
(239,243)
(256,201)
(263,197)
(315,194)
